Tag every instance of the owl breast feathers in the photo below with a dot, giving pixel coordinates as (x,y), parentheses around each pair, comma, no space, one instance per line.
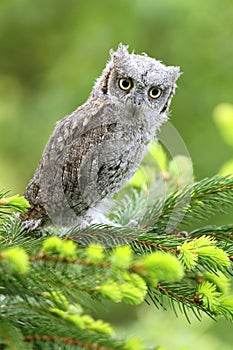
(95,150)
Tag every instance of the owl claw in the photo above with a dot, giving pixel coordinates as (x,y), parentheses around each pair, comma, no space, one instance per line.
(133,223)
(31,225)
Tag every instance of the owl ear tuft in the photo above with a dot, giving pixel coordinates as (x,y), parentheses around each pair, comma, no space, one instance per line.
(122,50)
(174,72)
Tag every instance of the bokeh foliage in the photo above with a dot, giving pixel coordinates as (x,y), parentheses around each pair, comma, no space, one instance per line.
(223,117)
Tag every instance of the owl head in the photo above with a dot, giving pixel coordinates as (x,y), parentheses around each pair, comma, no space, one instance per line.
(138,80)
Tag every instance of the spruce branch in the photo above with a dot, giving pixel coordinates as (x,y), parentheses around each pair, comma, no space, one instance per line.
(13,203)
(49,278)
(193,202)
(119,276)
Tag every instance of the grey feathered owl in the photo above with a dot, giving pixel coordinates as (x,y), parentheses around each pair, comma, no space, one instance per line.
(96,149)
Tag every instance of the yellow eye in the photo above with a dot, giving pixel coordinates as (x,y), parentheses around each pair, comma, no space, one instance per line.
(125,84)
(155,92)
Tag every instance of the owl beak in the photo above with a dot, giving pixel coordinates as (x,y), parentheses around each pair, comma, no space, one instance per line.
(138,99)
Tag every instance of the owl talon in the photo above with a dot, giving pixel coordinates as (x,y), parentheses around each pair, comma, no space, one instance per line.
(31,225)
(133,223)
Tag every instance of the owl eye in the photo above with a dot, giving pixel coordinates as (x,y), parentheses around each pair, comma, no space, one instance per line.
(155,92)
(125,84)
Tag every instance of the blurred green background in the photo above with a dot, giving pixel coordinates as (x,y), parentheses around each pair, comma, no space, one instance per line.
(52,51)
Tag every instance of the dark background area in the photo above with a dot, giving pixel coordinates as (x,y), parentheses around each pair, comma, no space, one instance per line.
(51,52)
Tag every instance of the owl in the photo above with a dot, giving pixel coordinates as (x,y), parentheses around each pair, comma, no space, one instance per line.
(95,150)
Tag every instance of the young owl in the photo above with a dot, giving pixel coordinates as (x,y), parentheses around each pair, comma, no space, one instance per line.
(96,149)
